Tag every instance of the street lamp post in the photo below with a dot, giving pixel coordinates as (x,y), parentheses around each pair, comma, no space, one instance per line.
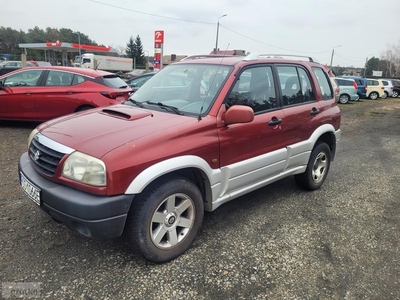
(333,52)
(366,62)
(79,42)
(147,60)
(216,41)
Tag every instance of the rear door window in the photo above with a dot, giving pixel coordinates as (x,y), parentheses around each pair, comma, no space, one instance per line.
(295,85)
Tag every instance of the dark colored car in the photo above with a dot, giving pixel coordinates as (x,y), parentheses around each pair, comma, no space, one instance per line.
(43,93)
(136,82)
(198,134)
(361,84)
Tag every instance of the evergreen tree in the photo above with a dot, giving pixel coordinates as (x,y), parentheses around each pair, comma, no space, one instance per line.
(140,58)
(130,49)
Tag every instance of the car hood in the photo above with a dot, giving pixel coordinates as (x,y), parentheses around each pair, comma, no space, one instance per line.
(98,131)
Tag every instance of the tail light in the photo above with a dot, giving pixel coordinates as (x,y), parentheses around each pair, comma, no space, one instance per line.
(392,87)
(382,87)
(355,85)
(115,95)
(366,87)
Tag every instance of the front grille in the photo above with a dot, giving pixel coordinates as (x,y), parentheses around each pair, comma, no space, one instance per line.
(44,158)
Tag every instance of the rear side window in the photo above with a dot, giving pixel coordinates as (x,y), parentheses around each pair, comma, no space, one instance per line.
(323,83)
(343,82)
(112,81)
(385,83)
(372,82)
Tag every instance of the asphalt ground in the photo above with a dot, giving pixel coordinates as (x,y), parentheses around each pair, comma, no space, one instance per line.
(279,242)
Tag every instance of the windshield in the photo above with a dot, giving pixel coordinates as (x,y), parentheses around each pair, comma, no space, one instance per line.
(190,88)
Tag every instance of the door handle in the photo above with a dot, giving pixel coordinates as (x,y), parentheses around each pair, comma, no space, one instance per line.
(314,111)
(274,121)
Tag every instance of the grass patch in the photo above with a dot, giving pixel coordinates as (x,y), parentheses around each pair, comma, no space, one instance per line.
(374,113)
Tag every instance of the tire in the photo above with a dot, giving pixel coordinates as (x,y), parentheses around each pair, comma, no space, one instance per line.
(373,96)
(317,168)
(385,95)
(395,94)
(343,98)
(164,220)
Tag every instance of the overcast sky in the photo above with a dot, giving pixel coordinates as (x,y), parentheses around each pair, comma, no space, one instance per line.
(363,28)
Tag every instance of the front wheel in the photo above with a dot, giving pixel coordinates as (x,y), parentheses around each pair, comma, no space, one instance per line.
(385,95)
(164,220)
(317,168)
(373,96)
(395,94)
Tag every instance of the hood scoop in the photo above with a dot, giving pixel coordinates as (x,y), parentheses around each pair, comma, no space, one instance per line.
(126,113)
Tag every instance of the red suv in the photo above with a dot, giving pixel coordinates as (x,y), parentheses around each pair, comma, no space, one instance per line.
(198,134)
(46,92)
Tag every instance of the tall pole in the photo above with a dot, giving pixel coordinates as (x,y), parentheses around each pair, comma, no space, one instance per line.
(366,62)
(365,67)
(79,42)
(333,52)
(216,40)
(147,59)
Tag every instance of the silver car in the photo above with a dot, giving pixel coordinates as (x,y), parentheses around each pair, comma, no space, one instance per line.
(389,87)
(348,90)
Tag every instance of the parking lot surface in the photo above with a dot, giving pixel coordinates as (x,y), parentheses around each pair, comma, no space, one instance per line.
(279,242)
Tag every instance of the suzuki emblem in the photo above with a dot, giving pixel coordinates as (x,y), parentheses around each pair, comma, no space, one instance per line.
(37,155)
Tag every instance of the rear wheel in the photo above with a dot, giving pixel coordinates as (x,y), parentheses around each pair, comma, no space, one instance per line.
(373,95)
(164,219)
(343,99)
(317,168)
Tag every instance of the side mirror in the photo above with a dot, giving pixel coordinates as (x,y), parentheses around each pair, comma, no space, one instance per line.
(239,114)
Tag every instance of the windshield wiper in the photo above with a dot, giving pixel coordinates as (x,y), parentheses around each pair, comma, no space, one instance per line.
(136,102)
(160,104)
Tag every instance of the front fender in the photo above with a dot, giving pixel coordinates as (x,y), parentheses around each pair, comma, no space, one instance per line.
(181,162)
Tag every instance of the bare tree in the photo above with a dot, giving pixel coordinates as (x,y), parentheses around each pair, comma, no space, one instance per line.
(392,60)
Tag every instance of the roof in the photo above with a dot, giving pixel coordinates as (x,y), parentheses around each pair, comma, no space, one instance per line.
(69,47)
(234,59)
(82,71)
(230,52)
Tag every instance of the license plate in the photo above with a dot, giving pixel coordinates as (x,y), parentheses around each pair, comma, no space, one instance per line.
(30,190)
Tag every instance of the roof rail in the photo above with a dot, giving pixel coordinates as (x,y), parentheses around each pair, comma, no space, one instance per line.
(200,56)
(255,56)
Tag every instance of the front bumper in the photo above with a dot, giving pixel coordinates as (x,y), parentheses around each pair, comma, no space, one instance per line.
(94,216)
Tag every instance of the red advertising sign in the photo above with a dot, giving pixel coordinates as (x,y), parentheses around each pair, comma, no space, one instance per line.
(58,44)
(159,37)
(158,48)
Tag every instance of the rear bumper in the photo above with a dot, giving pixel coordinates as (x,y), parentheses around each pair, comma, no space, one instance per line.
(93,216)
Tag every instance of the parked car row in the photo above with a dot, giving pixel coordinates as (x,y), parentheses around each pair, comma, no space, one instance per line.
(353,88)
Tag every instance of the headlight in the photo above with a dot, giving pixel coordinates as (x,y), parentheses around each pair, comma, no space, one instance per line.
(33,133)
(85,168)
